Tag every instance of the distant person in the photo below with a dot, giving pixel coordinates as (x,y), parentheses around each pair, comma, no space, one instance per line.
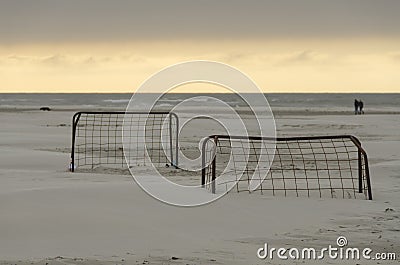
(361,106)
(356,106)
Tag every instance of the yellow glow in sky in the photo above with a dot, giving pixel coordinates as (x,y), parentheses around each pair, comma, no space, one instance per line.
(284,65)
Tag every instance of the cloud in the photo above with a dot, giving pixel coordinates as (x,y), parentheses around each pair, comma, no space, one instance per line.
(233,57)
(55,60)
(121,20)
(303,56)
(395,56)
(72,62)
(277,58)
(48,61)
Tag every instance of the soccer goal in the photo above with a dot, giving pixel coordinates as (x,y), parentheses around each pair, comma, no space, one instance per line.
(98,140)
(320,166)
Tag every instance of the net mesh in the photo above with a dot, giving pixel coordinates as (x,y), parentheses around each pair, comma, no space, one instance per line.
(334,167)
(149,137)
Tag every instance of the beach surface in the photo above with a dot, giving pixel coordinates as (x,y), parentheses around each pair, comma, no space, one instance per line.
(52,216)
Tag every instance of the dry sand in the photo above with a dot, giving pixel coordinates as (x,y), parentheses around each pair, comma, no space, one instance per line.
(52,216)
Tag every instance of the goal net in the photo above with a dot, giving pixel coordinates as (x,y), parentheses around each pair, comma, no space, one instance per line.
(98,140)
(326,166)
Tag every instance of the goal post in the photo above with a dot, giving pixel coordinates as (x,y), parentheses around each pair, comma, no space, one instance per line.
(315,166)
(97,139)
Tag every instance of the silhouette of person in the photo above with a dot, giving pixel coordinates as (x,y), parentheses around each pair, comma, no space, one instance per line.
(361,106)
(356,106)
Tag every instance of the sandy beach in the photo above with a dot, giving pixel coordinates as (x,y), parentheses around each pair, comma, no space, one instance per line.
(52,216)
(199,132)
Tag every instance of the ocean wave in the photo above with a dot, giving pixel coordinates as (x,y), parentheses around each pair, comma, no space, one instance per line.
(14,100)
(116,100)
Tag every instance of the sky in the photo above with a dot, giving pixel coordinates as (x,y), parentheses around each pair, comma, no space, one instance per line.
(115,45)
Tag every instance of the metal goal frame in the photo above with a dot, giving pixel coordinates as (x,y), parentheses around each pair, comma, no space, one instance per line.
(115,120)
(334,159)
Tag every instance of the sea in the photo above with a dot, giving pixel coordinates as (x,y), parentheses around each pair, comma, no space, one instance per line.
(336,102)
